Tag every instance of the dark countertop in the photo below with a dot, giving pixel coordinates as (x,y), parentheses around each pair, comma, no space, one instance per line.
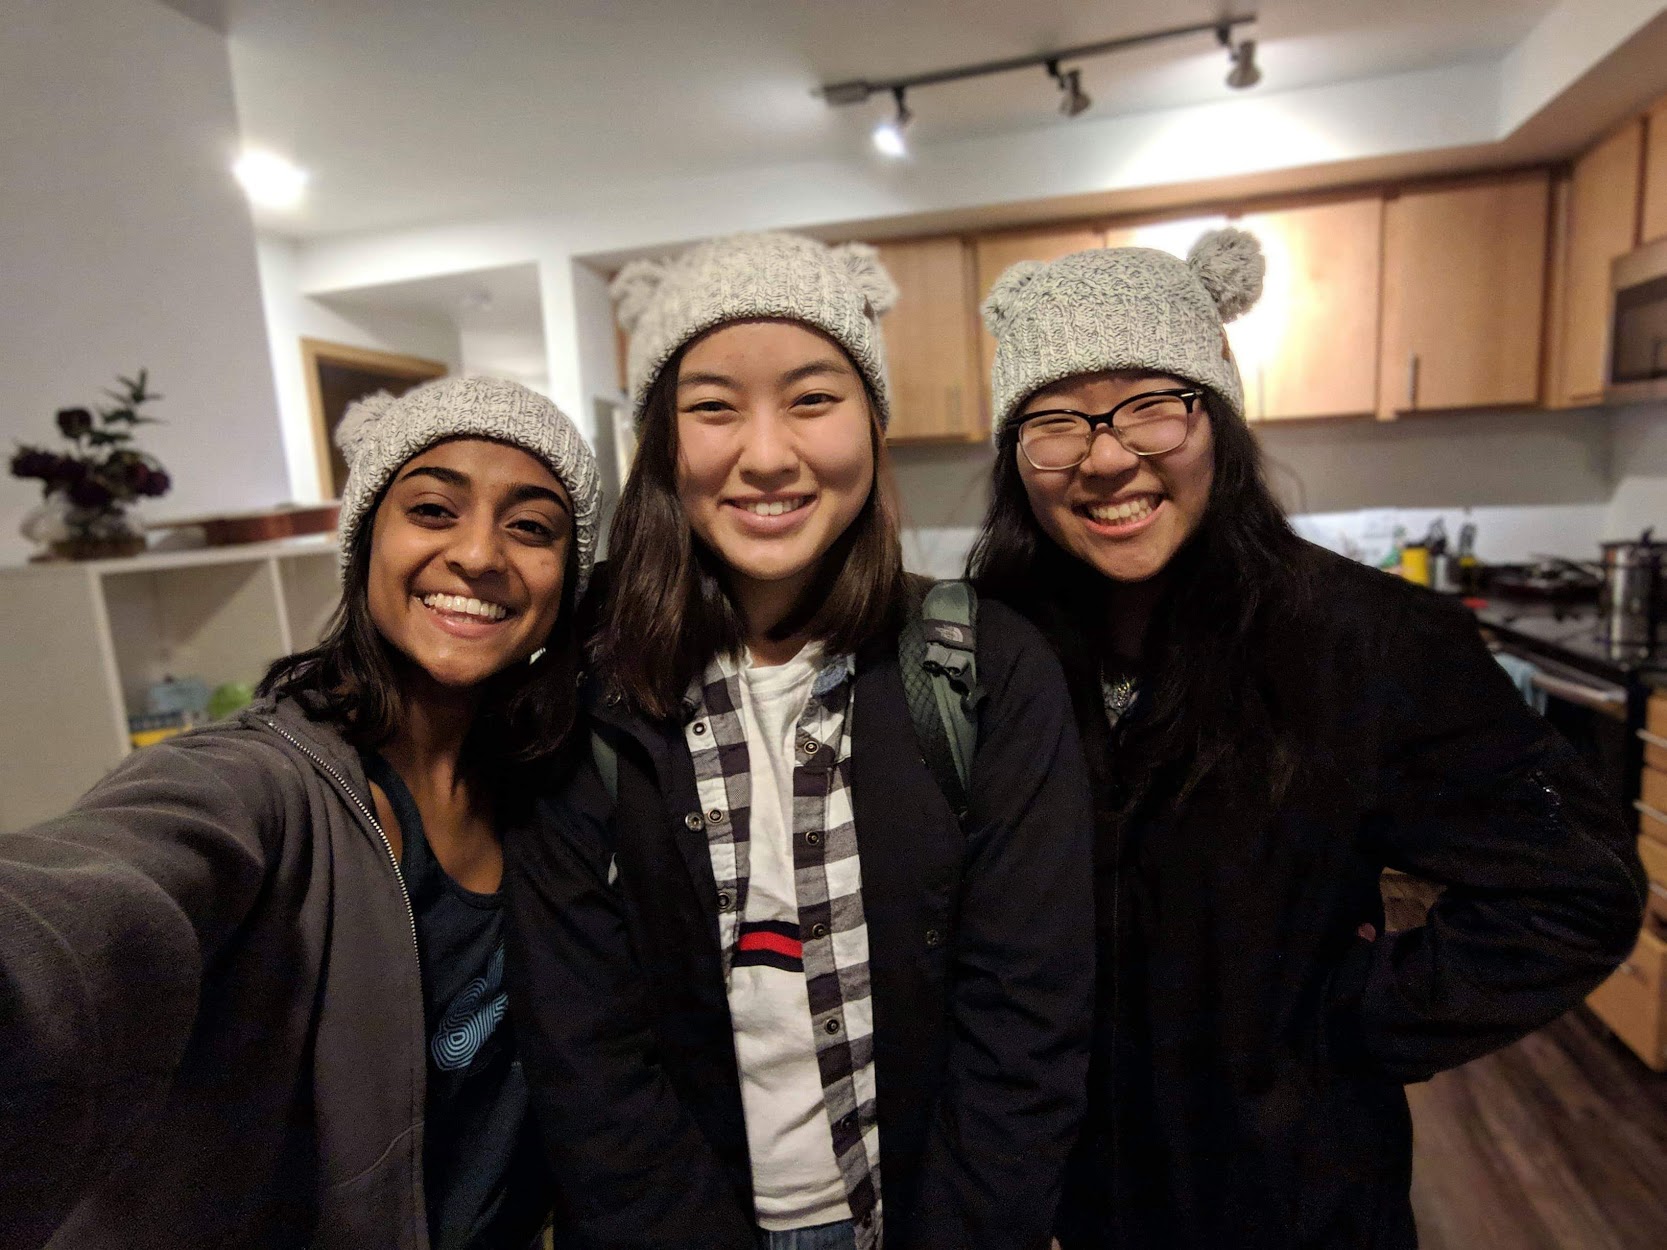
(1567,632)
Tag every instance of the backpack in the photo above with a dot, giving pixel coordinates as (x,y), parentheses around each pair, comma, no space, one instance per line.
(937,653)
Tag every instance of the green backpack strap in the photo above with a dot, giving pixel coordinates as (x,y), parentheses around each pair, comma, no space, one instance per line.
(938,655)
(607,763)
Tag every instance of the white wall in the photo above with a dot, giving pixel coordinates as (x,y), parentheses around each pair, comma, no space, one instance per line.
(1639,456)
(292,316)
(125,243)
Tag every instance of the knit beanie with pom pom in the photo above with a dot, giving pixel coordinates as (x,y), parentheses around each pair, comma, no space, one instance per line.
(380,433)
(1122,308)
(841,290)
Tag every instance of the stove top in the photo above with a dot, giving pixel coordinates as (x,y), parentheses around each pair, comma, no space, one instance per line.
(1569,632)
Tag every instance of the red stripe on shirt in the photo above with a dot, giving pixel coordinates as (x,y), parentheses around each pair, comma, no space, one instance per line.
(792,948)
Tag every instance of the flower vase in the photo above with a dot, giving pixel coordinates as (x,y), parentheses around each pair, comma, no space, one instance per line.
(98,534)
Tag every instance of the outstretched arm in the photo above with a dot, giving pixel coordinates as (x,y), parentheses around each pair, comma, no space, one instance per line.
(108,915)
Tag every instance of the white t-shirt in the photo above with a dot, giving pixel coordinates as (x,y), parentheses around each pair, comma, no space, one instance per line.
(796,1179)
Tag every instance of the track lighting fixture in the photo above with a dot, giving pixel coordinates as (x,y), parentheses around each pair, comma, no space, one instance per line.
(888,135)
(1073,100)
(1244,72)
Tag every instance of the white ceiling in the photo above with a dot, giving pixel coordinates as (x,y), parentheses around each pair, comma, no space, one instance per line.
(429,110)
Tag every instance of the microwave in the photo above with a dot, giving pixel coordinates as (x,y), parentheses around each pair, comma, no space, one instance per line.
(1635,369)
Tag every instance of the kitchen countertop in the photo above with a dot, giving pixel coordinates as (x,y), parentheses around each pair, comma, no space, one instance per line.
(1569,633)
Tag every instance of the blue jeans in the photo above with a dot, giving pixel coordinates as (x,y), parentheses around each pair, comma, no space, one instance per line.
(840,1236)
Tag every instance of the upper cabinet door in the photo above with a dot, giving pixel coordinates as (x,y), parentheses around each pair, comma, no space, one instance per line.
(1602,224)
(1464,295)
(929,343)
(1653,224)
(1309,348)
(993,253)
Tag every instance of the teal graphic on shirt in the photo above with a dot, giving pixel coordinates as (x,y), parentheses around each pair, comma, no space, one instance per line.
(471,1018)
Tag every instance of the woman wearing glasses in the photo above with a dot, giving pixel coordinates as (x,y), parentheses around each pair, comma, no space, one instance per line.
(1269,726)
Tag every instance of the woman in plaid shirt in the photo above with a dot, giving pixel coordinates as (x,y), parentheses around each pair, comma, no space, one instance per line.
(773,993)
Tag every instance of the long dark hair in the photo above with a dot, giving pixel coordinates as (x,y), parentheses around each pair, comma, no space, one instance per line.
(354,678)
(667,609)
(1210,708)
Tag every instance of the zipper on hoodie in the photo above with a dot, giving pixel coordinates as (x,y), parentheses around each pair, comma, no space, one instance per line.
(370,816)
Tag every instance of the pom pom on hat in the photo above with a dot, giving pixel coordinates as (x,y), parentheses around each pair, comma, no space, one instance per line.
(1002,301)
(633,290)
(862,262)
(1231,266)
(359,422)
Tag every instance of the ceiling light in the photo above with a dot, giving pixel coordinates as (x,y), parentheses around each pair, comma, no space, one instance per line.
(1073,100)
(1244,72)
(269,180)
(1243,56)
(888,135)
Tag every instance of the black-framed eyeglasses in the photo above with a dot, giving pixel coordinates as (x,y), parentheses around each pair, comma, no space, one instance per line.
(1148,424)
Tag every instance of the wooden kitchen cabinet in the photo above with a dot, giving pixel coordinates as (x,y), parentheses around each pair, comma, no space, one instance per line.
(931,342)
(1309,348)
(1464,295)
(1633,1001)
(1652,223)
(993,253)
(1602,224)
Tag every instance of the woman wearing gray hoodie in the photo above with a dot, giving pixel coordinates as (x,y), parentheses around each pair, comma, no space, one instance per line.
(251,984)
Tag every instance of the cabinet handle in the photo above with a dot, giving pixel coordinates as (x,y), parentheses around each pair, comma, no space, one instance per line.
(1412,381)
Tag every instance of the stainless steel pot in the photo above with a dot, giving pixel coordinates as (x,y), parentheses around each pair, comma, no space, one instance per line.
(1630,603)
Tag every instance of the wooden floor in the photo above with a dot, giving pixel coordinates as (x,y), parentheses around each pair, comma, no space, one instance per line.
(1557,1143)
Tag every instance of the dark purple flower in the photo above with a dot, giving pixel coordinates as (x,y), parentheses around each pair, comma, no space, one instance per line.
(157,483)
(68,471)
(89,492)
(33,462)
(75,422)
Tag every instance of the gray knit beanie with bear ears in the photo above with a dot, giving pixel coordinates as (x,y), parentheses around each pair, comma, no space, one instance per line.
(1122,308)
(842,291)
(380,433)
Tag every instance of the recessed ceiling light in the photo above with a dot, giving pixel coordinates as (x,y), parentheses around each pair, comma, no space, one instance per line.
(269,180)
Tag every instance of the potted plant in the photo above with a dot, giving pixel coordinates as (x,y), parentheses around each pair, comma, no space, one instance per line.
(89,489)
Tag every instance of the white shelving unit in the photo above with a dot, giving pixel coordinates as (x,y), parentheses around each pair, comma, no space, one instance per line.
(80,643)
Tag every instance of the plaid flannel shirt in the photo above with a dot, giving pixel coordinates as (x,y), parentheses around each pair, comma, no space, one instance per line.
(828,879)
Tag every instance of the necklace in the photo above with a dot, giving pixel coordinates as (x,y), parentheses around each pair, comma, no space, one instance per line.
(1118,696)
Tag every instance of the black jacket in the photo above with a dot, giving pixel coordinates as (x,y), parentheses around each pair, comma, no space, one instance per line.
(1250,1047)
(980,956)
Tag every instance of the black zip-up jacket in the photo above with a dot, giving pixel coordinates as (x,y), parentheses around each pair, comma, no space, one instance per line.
(211,1012)
(980,949)
(1250,1047)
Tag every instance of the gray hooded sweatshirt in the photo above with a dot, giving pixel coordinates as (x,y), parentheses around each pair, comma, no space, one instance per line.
(211,1013)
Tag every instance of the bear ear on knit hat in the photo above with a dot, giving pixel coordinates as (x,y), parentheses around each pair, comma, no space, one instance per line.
(359,422)
(633,290)
(1231,266)
(1002,301)
(862,262)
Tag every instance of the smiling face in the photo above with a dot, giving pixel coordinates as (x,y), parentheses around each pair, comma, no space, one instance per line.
(775,444)
(469,551)
(1123,515)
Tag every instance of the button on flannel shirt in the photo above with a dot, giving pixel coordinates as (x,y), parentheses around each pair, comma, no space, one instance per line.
(828,878)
